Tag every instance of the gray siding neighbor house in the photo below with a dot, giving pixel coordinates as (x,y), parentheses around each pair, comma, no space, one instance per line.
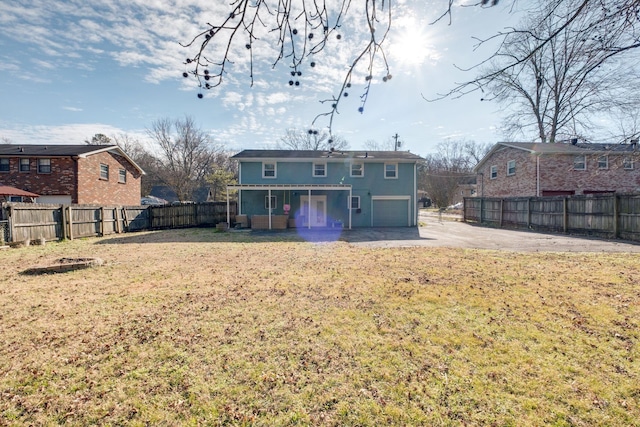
(301,188)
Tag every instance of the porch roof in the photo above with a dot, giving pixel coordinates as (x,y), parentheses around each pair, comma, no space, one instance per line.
(289,186)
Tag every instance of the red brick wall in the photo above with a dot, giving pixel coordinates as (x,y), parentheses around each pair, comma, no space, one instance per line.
(94,190)
(61,180)
(556,174)
(82,174)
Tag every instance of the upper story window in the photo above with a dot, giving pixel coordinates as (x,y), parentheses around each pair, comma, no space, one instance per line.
(579,163)
(104,171)
(320,169)
(122,175)
(357,169)
(269,170)
(494,172)
(627,163)
(511,167)
(44,165)
(603,162)
(390,170)
(4,165)
(25,165)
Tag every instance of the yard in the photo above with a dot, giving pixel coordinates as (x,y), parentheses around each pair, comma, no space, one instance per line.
(194,327)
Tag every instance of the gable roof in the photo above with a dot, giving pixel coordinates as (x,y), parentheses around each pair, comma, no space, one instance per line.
(65,150)
(542,148)
(327,154)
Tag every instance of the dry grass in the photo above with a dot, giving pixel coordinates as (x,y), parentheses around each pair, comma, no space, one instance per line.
(193,327)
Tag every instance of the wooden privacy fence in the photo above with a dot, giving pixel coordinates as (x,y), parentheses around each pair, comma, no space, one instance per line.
(29,221)
(609,216)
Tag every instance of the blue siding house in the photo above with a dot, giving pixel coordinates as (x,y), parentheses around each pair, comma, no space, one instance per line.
(301,188)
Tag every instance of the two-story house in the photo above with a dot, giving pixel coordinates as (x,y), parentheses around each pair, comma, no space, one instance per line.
(66,174)
(527,169)
(328,188)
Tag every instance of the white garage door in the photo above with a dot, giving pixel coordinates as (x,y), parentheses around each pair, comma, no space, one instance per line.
(55,200)
(391,213)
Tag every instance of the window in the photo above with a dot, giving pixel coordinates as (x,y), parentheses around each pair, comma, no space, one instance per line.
(104,172)
(25,165)
(274,202)
(44,165)
(603,162)
(579,163)
(355,202)
(494,172)
(122,175)
(390,170)
(16,199)
(268,170)
(357,169)
(511,167)
(4,165)
(627,163)
(319,169)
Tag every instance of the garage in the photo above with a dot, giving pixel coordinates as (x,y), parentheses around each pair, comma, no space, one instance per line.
(391,211)
(55,200)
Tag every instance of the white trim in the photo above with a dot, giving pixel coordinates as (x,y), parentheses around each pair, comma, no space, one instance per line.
(351,205)
(584,162)
(351,169)
(514,167)
(385,170)
(491,172)
(606,158)
(309,199)
(275,170)
(313,169)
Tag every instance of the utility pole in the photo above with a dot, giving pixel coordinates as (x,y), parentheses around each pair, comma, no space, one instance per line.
(397,143)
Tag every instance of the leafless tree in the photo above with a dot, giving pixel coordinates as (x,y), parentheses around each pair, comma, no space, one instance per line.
(298,139)
(223,171)
(185,154)
(143,158)
(561,66)
(450,166)
(373,145)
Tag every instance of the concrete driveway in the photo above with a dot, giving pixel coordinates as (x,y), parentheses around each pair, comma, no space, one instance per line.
(448,231)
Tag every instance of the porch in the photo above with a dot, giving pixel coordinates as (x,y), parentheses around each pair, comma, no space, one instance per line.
(310,198)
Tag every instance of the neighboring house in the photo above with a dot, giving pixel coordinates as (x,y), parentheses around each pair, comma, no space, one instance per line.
(328,188)
(66,174)
(522,169)
(466,188)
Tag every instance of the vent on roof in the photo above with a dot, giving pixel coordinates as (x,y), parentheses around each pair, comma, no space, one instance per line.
(574,141)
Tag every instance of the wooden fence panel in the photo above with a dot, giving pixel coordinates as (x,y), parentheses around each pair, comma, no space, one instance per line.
(53,222)
(611,215)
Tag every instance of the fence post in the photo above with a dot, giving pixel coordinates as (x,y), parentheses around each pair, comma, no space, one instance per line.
(481,208)
(565,214)
(529,212)
(102,220)
(70,222)
(12,230)
(501,211)
(150,217)
(616,216)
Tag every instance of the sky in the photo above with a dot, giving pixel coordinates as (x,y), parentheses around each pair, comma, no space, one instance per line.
(70,69)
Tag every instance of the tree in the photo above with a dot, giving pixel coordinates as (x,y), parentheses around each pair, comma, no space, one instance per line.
(451,165)
(298,139)
(186,154)
(563,65)
(224,171)
(99,139)
(143,158)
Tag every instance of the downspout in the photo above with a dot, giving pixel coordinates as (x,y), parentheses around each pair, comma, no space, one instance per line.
(538,176)
(76,190)
(415,194)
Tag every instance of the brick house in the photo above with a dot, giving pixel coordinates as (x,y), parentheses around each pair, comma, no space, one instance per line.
(527,169)
(66,174)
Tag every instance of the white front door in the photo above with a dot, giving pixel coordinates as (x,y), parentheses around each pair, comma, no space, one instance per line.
(317,215)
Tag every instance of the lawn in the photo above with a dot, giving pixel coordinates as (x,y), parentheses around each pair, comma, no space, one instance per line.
(194,327)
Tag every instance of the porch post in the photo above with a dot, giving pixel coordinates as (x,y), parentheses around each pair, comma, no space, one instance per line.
(269,196)
(228,215)
(309,210)
(349,204)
